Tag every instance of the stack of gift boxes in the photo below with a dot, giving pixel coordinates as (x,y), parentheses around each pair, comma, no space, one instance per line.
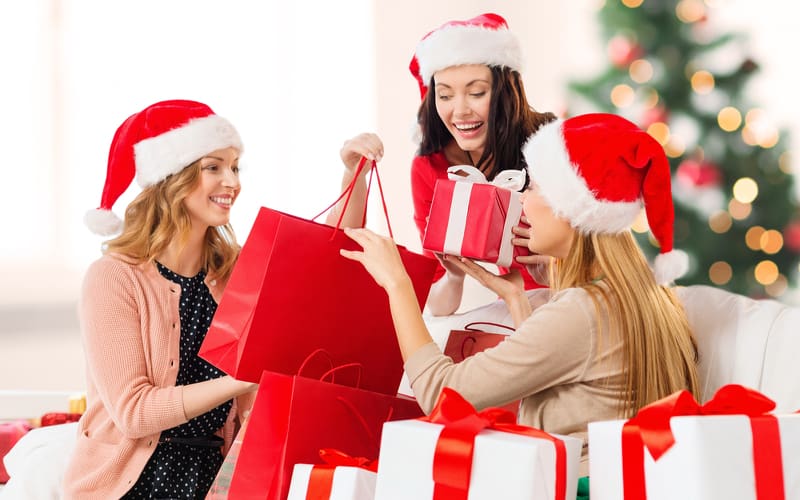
(340,432)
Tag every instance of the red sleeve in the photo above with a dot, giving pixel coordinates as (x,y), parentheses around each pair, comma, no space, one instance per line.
(425,170)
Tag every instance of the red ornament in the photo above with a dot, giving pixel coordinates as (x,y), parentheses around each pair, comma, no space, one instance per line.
(622,51)
(698,174)
(791,236)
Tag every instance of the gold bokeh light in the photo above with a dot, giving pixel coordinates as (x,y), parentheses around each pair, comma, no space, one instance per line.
(641,71)
(659,131)
(771,241)
(766,272)
(739,210)
(632,3)
(690,11)
(752,238)
(729,119)
(720,221)
(702,82)
(778,287)
(720,272)
(745,190)
(622,96)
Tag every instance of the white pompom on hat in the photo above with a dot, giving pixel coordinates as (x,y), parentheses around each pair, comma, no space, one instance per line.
(161,140)
(484,39)
(597,171)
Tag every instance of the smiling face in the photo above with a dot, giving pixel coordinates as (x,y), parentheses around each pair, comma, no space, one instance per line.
(209,203)
(550,234)
(463,97)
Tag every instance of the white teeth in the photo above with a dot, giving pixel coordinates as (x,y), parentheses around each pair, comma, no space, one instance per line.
(222,200)
(468,126)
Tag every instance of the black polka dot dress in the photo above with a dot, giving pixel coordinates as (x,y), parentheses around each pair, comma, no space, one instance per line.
(184,464)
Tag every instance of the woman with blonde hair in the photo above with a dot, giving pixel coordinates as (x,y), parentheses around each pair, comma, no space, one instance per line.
(158,416)
(613,337)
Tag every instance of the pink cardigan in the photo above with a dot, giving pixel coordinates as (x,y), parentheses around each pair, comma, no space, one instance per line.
(131,334)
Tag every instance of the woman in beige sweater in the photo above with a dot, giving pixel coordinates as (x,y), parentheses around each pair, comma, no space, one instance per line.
(612,338)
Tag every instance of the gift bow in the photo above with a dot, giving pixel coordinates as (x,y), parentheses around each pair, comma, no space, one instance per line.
(650,428)
(320,481)
(452,461)
(507,179)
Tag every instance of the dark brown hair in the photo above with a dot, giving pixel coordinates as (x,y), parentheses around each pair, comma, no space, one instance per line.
(511,121)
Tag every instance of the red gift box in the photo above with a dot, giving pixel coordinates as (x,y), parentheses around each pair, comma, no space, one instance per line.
(474,220)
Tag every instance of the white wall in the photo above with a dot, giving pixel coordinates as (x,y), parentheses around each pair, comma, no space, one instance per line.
(297,78)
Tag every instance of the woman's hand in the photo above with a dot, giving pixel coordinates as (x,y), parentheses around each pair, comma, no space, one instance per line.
(507,286)
(367,145)
(379,257)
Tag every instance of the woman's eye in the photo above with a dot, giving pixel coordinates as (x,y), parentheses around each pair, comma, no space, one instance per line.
(478,94)
(235,169)
(444,97)
(211,167)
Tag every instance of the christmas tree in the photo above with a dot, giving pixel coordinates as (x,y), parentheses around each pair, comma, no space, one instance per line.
(736,211)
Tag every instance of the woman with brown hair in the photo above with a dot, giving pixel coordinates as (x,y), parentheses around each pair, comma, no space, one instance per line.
(474,111)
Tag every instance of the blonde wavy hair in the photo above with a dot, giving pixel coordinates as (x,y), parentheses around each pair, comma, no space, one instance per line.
(158,215)
(658,346)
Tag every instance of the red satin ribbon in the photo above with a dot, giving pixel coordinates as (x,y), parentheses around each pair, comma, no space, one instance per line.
(320,481)
(452,461)
(650,428)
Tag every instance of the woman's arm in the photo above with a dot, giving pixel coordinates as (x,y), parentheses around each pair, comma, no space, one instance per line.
(200,397)
(364,145)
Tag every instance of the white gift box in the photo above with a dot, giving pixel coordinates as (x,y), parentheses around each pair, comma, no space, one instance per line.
(712,459)
(504,466)
(349,483)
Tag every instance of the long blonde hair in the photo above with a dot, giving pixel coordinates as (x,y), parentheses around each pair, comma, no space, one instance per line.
(658,346)
(158,215)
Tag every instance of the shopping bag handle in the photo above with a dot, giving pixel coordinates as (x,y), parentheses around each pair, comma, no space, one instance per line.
(470,326)
(332,372)
(348,191)
(313,355)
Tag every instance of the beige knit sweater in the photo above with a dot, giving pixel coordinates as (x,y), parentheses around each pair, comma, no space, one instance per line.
(130,326)
(563,370)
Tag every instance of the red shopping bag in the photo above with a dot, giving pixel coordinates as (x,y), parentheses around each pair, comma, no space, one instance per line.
(292,293)
(462,344)
(294,417)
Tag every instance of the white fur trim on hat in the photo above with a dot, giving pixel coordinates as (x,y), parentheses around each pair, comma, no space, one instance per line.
(670,266)
(566,191)
(170,152)
(103,222)
(457,45)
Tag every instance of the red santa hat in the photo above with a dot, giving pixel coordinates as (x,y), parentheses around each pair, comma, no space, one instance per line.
(484,39)
(153,144)
(597,171)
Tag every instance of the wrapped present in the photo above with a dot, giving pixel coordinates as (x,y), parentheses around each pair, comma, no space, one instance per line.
(472,218)
(462,344)
(730,448)
(341,477)
(459,453)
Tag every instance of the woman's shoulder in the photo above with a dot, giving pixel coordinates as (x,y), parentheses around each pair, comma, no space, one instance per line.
(112,266)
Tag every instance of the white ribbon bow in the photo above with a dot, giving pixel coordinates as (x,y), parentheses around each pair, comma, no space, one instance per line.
(513,180)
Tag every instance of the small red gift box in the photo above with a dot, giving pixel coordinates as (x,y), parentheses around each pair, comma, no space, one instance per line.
(474,220)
